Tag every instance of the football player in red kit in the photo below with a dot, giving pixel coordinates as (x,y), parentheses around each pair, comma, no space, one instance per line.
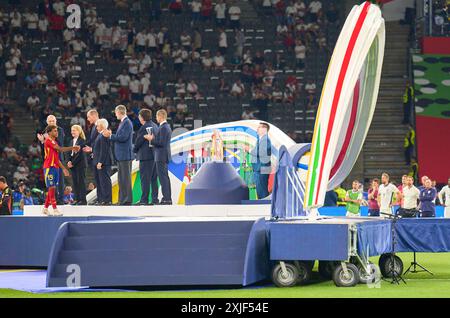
(51,168)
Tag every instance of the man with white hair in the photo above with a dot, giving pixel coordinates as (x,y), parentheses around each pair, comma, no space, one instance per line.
(101,160)
(123,151)
(42,136)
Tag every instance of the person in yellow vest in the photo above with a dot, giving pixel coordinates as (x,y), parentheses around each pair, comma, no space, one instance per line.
(408,101)
(414,170)
(341,193)
(409,143)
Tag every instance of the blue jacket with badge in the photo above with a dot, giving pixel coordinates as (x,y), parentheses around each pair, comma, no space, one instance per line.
(123,141)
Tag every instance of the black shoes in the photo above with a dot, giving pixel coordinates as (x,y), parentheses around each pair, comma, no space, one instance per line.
(165,203)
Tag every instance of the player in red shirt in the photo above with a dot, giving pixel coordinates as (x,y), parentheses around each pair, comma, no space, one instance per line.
(51,167)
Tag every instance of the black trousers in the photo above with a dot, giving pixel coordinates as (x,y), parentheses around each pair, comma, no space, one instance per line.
(104,186)
(427,214)
(407,113)
(60,187)
(79,185)
(163,175)
(124,179)
(147,170)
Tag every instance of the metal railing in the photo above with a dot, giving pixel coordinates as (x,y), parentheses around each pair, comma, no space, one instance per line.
(294,194)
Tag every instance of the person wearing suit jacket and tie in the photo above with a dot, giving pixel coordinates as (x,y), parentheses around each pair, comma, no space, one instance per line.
(261,160)
(92,117)
(101,157)
(77,164)
(124,153)
(161,143)
(145,156)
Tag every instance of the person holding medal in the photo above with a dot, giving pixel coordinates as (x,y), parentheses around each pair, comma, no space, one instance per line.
(145,156)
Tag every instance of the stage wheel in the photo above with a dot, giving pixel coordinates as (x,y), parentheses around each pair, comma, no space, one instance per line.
(326,268)
(289,278)
(343,279)
(390,263)
(382,259)
(372,278)
(304,271)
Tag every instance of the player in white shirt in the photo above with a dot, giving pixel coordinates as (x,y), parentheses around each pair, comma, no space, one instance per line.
(385,193)
(444,197)
(410,197)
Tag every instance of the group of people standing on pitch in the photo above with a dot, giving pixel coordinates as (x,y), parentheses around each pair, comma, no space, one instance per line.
(405,200)
(100,149)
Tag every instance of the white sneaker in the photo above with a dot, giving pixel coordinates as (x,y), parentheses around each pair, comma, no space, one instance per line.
(57,213)
(45,211)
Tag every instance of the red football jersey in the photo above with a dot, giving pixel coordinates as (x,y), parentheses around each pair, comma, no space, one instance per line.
(51,155)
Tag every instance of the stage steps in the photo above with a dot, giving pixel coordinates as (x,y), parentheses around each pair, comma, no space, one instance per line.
(150,253)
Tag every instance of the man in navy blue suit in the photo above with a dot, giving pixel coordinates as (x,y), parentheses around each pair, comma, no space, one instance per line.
(145,156)
(261,160)
(161,143)
(123,151)
(92,117)
(101,159)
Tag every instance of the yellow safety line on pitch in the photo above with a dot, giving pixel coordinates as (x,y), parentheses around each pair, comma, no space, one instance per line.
(17,270)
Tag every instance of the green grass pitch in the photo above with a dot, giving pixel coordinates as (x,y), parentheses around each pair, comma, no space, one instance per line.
(418,285)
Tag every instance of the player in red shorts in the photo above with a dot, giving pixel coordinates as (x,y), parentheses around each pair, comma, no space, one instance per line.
(51,167)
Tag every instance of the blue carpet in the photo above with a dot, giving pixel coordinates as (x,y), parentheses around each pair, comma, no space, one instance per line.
(33,281)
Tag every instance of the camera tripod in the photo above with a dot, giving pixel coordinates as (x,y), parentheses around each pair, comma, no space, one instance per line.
(395,275)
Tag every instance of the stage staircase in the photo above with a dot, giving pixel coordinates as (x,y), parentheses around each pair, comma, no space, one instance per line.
(143,253)
(383,149)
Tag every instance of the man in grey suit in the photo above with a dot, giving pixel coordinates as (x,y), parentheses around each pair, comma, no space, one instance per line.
(123,151)
(145,156)
(161,143)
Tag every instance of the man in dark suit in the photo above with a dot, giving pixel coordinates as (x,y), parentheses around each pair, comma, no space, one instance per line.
(145,156)
(101,156)
(92,117)
(41,136)
(261,161)
(161,143)
(123,151)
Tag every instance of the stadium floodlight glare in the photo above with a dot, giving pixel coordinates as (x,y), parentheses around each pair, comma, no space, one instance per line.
(347,103)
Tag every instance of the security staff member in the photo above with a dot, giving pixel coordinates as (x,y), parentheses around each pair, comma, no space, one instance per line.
(145,156)
(6,199)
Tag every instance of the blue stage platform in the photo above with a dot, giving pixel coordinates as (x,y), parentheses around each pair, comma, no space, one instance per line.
(199,251)
(161,252)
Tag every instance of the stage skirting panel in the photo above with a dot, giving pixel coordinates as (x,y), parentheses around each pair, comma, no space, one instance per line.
(148,253)
(328,239)
(26,241)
